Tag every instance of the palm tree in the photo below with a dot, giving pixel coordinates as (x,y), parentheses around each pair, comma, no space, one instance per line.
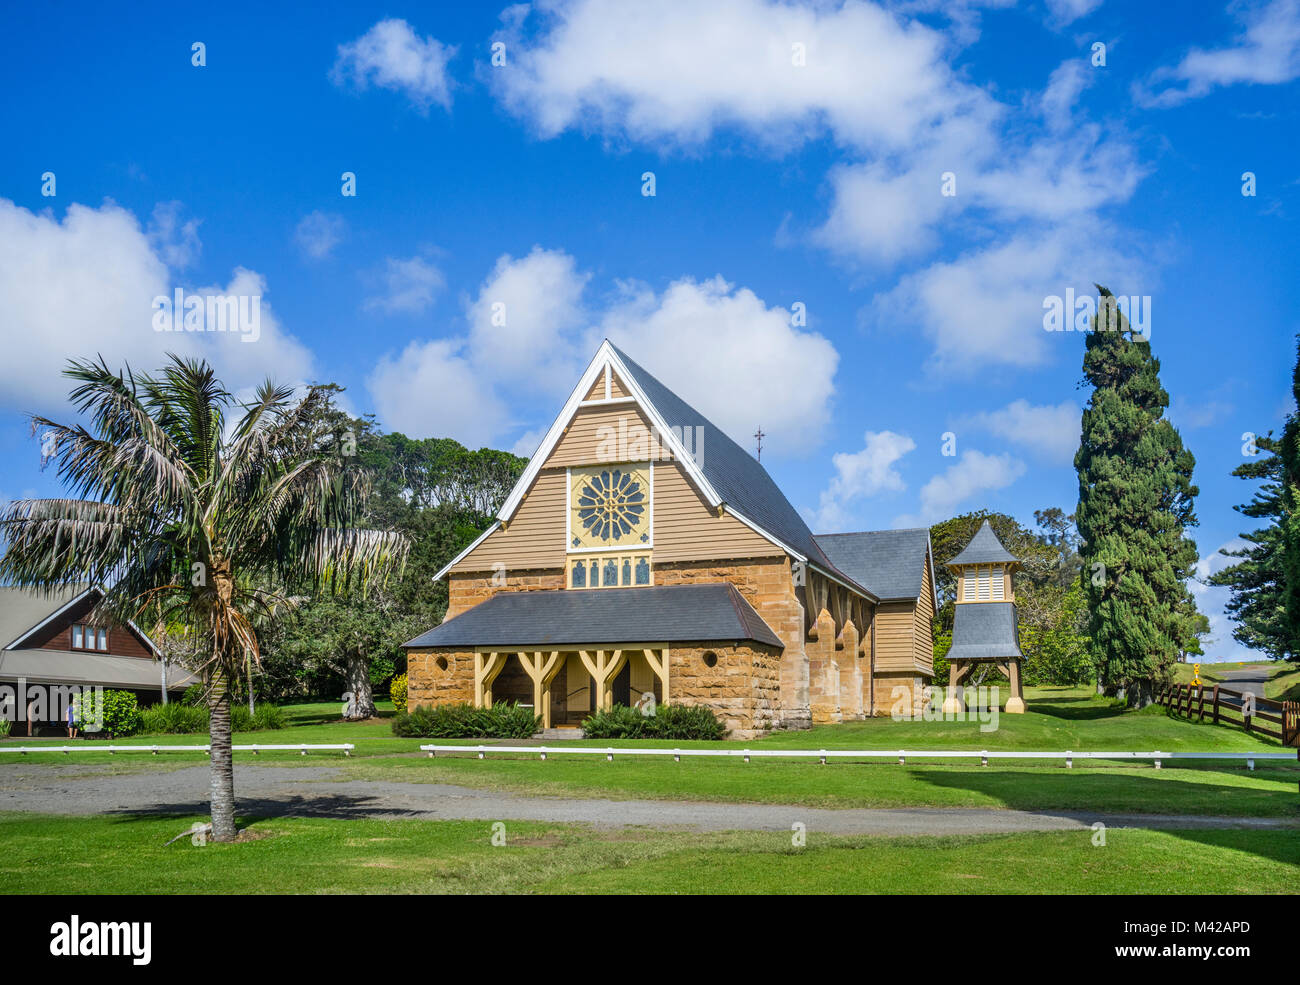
(197,522)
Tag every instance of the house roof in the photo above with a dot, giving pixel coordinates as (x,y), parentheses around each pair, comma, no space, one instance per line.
(605,616)
(984,548)
(24,610)
(891,563)
(738,478)
(79,667)
(985,631)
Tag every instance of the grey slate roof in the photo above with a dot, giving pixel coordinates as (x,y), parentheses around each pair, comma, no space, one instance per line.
(984,548)
(888,562)
(985,631)
(736,475)
(668,613)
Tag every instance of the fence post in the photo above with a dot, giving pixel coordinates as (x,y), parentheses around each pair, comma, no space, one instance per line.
(1245,708)
(1216,704)
(1200,708)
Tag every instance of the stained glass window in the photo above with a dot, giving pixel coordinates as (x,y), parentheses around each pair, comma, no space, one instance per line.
(609,507)
(642,571)
(579,579)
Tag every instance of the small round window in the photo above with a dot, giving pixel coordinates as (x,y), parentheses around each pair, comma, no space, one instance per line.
(710,659)
(442,663)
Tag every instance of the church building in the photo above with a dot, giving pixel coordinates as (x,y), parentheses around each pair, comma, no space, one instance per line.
(645,552)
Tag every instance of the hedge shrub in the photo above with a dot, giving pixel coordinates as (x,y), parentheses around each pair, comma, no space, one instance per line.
(174,719)
(264,718)
(693,722)
(183,719)
(464,721)
(397,691)
(116,712)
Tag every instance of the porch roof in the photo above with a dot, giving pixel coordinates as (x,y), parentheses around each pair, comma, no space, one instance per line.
(604,616)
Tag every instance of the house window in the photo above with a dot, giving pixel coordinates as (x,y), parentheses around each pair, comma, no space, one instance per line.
(610,571)
(968,585)
(609,507)
(983,582)
(89,637)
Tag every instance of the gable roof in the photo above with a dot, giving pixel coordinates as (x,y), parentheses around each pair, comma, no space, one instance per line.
(725,475)
(984,548)
(739,479)
(25,610)
(665,613)
(892,563)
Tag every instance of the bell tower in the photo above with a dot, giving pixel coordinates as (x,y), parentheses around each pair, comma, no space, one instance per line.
(985,628)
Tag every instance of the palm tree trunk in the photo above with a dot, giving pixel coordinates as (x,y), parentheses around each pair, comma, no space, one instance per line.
(223,767)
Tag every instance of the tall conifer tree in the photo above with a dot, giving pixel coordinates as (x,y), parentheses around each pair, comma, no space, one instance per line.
(1135,502)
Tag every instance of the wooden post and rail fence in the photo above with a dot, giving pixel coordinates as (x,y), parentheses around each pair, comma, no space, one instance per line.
(1222,705)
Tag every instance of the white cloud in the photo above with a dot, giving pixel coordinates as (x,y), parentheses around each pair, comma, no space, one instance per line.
(986,306)
(85,285)
(405,286)
(881,86)
(1191,414)
(1065,12)
(720,347)
(860,474)
(1051,430)
(319,232)
(1266,51)
(392,56)
(729,355)
(678,70)
(173,238)
(974,472)
(526,321)
(431,389)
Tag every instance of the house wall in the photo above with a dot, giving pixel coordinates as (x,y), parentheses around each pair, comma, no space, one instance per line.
(122,642)
(767,583)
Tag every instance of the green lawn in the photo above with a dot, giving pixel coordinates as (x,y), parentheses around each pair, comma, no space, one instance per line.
(116,855)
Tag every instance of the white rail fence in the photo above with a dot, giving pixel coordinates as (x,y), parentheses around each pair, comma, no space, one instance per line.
(824,755)
(304,748)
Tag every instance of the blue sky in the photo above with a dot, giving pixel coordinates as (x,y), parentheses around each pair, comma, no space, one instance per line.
(798,153)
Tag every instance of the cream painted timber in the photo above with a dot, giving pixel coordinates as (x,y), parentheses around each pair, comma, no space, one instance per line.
(923,633)
(685,529)
(533,539)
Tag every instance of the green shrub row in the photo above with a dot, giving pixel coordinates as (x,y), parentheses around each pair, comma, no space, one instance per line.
(464,721)
(182,719)
(668,722)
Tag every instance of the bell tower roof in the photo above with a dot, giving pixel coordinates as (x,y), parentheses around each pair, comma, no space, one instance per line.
(984,548)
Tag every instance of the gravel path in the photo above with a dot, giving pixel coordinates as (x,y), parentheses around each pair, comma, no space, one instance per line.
(321,792)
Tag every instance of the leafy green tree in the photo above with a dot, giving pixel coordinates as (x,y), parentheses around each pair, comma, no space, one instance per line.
(188,517)
(355,638)
(1136,501)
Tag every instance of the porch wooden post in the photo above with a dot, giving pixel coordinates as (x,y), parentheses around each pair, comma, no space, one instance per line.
(659,666)
(952,705)
(1015,703)
(485,672)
